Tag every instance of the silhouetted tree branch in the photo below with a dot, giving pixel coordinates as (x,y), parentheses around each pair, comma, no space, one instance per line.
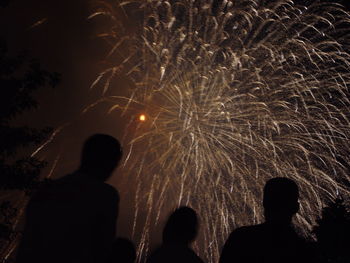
(333,232)
(19,78)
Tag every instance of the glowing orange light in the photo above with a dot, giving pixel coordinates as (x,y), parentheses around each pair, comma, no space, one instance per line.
(142,117)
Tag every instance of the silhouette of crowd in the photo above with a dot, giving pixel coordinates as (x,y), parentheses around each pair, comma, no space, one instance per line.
(73,220)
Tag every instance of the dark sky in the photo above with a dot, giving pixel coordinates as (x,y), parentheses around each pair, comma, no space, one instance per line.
(64,42)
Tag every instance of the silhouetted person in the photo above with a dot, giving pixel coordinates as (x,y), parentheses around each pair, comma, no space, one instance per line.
(274,241)
(123,251)
(73,219)
(179,231)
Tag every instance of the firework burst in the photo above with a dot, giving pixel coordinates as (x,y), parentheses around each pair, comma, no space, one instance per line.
(235,92)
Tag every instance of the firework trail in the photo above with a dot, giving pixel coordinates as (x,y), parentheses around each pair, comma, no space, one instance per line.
(234,92)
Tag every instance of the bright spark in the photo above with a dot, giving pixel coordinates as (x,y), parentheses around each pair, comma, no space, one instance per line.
(142,117)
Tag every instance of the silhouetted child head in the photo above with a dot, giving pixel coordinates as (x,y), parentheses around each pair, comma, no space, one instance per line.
(280,199)
(123,251)
(181,226)
(100,156)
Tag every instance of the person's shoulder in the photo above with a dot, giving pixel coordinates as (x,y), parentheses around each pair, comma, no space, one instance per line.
(245,233)
(174,253)
(105,198)
(158,255)
(108,191)
(45,191)
(194,257)
(247,229)
(112,191)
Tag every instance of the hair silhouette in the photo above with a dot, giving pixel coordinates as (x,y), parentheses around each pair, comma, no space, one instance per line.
(280,199)
(181,226)
(100,155)
(179,231)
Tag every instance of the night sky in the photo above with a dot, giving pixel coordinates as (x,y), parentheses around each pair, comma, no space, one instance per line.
(64,42)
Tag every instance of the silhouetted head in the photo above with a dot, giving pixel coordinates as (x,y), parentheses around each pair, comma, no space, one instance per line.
(123,251)
(100,156)
(280,199)
(181,226)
